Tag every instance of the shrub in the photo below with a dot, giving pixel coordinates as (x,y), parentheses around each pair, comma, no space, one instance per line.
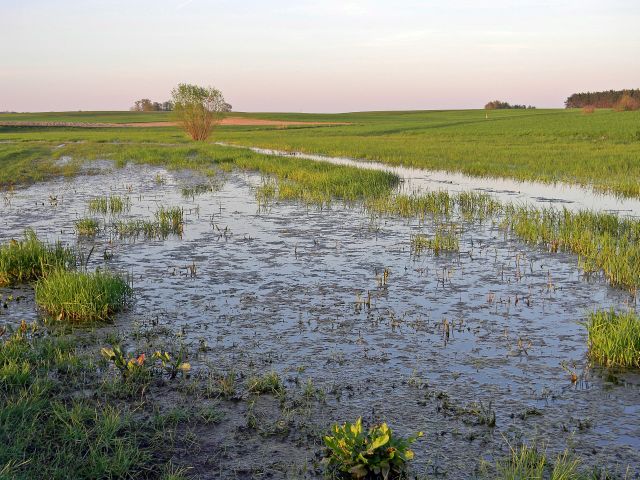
(30,259)
(588,109)
(627,103)
(373,454)
(614,338)
(80,296)
(198,109)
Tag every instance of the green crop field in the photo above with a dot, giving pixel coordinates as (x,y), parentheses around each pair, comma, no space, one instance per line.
(601,150)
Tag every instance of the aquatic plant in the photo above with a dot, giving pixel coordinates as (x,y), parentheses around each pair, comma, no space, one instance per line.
(127,366)
(529,463)
(268,383)
(173,365)
(444,240)
(87,226)
(81,296)
(30,259)
(112,204)
(167,221)
(614,338)
(376,453)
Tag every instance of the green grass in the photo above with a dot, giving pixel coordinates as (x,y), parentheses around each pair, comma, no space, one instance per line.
(167,221)
(29,259)
(88,117)
(81,297)
(528,463)
(614,338)
(444,240)
(87,226)
(268,383)
(112,204)
(598,150)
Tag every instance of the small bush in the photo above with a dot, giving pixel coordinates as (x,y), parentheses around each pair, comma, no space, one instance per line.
(588,109)
(614,338)
(30,259)
(80,296)
(627,103)
(374,454)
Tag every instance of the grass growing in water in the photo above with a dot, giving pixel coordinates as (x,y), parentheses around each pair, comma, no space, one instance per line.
(167,221)
(267,383)
(531,464)
(445,240)
(80,296)
(112,204)
(87,226)
(614,338)
(29,259)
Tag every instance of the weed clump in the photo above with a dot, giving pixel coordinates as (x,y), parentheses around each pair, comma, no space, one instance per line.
(80,296)
(112,204)
(87,226)
(30,259)
(376,453)
(269,383)
(614,338)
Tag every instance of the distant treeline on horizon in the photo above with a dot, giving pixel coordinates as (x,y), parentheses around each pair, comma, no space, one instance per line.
(607,99)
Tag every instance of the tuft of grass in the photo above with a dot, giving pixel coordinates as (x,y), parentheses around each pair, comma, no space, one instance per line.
(112,204)
(614,338)
(30,259)
(269,383)
(80,296)
(87,226)
(444,240)
(528,463)
(167,221)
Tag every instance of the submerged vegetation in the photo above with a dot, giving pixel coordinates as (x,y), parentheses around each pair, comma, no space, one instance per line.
(614,338)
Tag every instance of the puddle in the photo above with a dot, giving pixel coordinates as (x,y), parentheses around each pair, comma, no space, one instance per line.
(559,195)
(277,289)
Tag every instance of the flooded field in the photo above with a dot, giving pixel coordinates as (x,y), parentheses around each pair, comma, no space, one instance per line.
(480,349)
(571,197)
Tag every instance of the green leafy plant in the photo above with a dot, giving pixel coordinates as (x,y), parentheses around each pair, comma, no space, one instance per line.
(376,453)
(172,365)
(128,367)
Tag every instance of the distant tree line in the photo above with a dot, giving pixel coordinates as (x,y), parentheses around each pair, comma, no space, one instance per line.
(617,99)
(498,105)
(146,105)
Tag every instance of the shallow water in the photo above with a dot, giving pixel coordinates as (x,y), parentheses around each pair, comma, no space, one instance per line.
(277,288)
(540,194)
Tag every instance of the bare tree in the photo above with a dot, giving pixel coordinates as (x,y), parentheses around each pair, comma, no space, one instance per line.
(198,109)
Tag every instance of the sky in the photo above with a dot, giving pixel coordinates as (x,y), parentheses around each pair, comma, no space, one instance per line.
(315,56)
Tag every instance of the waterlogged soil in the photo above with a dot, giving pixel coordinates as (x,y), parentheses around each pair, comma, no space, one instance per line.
(416,180)
(445,342)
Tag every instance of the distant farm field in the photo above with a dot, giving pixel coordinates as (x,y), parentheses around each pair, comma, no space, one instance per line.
(601,150)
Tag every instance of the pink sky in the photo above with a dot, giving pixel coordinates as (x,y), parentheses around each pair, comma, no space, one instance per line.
(315,56)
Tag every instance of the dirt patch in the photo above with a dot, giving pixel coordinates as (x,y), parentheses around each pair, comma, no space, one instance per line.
(240,121)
